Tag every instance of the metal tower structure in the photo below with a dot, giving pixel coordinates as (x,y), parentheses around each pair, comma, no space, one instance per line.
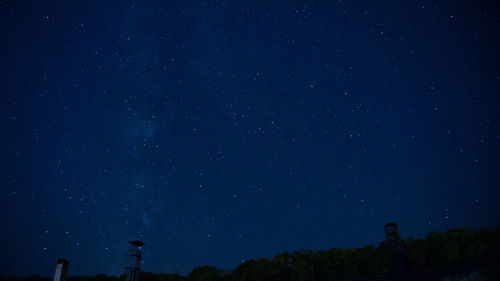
(392,236)
(134,255)
(398,258)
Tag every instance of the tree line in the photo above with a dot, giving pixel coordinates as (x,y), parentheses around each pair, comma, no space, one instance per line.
(436,250)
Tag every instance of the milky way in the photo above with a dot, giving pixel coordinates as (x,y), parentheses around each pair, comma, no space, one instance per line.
(222,131)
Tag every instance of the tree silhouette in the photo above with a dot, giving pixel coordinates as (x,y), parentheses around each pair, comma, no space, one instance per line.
(437,250)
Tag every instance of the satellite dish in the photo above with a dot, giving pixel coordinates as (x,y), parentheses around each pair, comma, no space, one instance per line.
(136,243)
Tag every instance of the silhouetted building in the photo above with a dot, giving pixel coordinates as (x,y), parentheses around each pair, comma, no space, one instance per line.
(61,270)
(398,259)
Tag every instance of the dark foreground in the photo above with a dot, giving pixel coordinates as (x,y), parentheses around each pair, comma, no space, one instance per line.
(457,254)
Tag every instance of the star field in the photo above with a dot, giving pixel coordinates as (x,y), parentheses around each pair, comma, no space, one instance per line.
(222,131)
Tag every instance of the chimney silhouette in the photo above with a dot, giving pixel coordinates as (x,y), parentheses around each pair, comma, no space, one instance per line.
(61,270)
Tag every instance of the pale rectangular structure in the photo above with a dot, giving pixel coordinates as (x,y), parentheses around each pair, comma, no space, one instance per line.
(61,270)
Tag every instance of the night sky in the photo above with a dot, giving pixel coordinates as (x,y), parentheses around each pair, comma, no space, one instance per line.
(221,131)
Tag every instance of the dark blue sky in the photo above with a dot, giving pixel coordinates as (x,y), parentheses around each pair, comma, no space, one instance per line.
(222,131)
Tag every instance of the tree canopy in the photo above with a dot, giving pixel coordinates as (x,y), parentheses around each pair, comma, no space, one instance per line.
(437,249)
